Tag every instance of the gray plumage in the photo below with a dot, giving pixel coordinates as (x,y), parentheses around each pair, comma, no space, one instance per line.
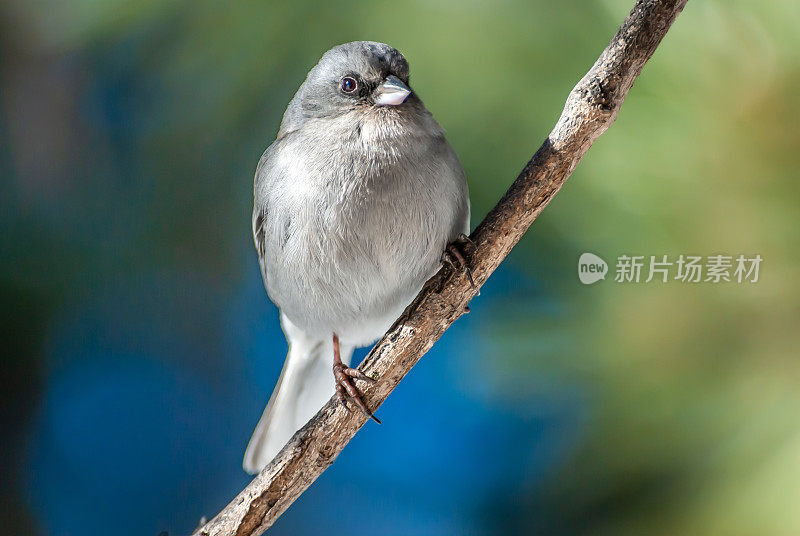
(354,203)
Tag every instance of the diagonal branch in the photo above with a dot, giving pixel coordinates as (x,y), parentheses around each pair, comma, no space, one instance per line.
(591,108)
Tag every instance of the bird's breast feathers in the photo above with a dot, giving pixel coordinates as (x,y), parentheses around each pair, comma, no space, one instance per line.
(359,212)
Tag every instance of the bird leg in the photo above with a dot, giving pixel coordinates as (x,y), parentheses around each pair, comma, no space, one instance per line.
(453,255)
(345,389)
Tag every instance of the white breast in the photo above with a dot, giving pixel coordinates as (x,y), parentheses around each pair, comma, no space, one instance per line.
(357,225)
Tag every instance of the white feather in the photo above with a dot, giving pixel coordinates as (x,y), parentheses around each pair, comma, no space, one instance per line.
(305,384)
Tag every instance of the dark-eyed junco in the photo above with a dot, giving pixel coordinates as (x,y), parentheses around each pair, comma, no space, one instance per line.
(355,202)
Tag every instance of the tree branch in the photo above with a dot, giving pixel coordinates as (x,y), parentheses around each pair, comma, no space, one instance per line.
(591,108)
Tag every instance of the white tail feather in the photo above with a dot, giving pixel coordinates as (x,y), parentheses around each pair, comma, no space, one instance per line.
(305,384)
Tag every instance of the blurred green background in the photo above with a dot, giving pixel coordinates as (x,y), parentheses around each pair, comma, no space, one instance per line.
(140,347)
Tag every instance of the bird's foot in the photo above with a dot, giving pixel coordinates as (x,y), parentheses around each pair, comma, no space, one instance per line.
(343,377)
(453,255)
(345,389)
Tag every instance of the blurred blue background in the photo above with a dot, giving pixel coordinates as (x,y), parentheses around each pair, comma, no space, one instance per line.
(140,346)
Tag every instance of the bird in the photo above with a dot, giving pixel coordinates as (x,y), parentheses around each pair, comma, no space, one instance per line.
(357,202)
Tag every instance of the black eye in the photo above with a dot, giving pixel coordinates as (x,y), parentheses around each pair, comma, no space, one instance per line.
(349,84)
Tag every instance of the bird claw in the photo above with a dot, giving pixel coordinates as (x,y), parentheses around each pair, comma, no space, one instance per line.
(464,239)
(342,396)
(453,255)
(346,390)
(355,373)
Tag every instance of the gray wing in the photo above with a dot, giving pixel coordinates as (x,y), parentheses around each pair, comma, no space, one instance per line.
(262,214)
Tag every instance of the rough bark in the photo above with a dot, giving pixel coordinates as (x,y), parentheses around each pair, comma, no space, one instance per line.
(592,106)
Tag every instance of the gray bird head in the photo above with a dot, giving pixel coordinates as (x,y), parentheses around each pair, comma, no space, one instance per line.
(354,75)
